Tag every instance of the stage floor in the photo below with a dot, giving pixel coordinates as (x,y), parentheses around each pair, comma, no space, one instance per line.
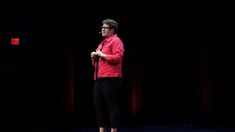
(148,129)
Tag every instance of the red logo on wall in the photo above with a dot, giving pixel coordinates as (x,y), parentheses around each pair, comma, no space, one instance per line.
(15,41)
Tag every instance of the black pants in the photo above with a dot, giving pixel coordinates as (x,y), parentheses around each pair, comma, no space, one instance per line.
(105,101)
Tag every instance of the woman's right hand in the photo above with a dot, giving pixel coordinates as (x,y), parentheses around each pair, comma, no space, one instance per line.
(93,54)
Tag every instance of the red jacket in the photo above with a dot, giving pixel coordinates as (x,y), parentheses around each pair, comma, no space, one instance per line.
(111,66)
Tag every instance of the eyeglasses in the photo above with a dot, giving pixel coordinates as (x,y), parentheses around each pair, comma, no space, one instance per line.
(105,27)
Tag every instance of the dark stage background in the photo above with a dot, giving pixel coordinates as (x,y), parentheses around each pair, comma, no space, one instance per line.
(178,64)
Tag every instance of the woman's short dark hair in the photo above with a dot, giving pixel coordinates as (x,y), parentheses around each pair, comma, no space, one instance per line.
(111,23)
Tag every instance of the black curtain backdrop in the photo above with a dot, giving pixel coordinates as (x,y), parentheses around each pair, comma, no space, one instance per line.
(178,64)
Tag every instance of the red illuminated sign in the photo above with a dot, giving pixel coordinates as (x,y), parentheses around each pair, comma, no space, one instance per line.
(15,41)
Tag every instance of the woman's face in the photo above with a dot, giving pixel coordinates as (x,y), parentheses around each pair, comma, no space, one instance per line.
(106,31)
